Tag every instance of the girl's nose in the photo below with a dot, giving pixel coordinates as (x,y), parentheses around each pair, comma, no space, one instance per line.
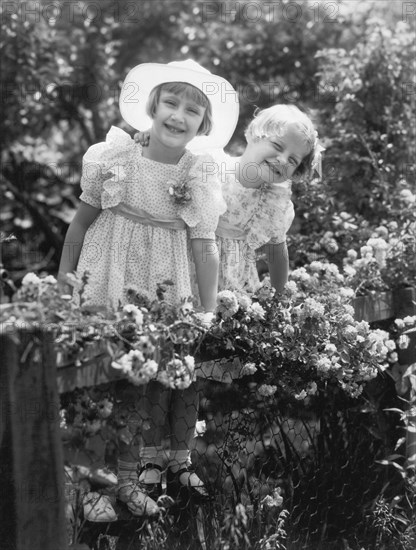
(281,159)
(177,115)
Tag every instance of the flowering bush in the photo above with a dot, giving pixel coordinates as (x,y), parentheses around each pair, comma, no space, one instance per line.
(374,258)
(403,370)
(145,343)
(386,261)
(366,117)
(388,227)
(342,230)
(291,344)
(363,274)
(295,346)
(303,339)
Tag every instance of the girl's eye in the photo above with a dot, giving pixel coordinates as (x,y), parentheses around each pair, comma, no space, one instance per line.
(293,162)
(194,111)
(170,102)
(277,146)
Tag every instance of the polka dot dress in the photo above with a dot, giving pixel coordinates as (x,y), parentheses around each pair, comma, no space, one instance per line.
(122,254)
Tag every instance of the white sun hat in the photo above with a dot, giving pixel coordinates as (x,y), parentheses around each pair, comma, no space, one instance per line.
(141,80)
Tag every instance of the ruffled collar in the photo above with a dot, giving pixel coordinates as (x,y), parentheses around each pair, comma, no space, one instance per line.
(282,186)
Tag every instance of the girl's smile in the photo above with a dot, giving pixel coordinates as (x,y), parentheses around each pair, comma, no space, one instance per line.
(174,129)
(276,169)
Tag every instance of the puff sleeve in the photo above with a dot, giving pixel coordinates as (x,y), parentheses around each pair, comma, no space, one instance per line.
(103,173)
(272,216)
(202,212)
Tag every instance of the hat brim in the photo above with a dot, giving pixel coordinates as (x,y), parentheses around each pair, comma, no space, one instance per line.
(141,80)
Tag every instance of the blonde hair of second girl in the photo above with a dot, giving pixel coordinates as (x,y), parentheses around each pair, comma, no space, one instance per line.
(274,121)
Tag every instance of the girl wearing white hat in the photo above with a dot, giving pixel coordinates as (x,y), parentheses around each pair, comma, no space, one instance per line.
(139,206)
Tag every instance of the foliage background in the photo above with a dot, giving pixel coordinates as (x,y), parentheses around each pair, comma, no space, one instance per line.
(350,64)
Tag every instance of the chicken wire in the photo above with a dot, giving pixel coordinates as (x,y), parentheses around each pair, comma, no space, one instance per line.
(316,462)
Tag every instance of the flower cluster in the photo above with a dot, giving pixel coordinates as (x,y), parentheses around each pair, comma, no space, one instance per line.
(136,368)
(159,341)
(386,261)
(41,291)
(273,501)
(227,304)
(304,338)
(39,305)
(375,256)
(83,414)
(364,273)
(153,340)
(344,230)
(178,374)
(319,279)
(402,358)
(179,191)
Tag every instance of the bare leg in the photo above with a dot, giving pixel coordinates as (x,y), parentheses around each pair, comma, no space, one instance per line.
(153,452)
(184,414)
(134,409)
(154,408)
(183,417)
(130,436)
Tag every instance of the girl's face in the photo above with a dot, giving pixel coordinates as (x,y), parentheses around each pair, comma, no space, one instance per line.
(277,158)
(177,120)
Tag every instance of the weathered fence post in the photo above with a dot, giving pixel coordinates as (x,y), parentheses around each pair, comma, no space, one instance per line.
(405,302)
(387,305)
(31,480)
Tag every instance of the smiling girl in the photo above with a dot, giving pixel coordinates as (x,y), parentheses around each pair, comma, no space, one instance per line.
(131,231)
(282,145)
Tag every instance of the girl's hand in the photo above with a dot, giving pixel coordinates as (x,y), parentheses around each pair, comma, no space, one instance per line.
(64,285)
(143,138)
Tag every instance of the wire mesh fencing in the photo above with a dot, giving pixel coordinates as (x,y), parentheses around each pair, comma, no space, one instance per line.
(279,475)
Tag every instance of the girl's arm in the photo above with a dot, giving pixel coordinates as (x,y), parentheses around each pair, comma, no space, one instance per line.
(74,240)
(206,258)
(278,261)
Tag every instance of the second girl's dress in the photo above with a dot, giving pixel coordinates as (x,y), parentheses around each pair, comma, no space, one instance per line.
(254,218)
(141,236)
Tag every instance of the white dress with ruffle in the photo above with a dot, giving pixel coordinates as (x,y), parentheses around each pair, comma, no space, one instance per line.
(254,218)
(141,236)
